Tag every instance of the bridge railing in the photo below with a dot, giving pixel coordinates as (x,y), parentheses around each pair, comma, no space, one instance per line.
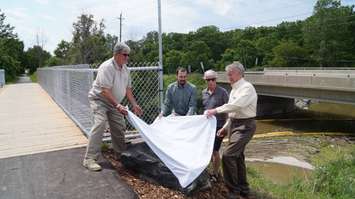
(2,77)
(326,81)
(69,87)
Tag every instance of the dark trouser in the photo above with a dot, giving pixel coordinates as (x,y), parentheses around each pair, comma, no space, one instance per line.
(233,160)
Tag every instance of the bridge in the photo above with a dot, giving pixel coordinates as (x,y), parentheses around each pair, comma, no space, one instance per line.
(324,85)
(41,125)
(41,151)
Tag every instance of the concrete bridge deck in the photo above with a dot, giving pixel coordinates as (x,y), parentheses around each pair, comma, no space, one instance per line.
(31,122)
(324,85)
(41,151)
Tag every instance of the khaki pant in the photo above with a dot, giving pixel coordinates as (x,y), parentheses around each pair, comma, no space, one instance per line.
(233,160)
(104,112)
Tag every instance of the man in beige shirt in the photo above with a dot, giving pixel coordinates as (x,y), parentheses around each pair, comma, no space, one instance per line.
(112,84)
(241,109)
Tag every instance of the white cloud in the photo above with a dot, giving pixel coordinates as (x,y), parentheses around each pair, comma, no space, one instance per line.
(55,18)
(42,2)
(18,13)
(220,7)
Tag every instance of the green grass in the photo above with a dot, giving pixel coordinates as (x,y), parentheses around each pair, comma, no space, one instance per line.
(33,77)
(334,177)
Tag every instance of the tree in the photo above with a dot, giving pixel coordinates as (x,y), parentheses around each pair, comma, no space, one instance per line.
(11,50)
(172,61)
(36,57)
(88,44)
(198,52)
(328,33)
(264,46)
(289,54)
(62,50)
(6,30)
(215,40)
(55,61)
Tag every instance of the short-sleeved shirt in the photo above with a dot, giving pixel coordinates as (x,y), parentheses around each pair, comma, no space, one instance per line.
(113,77)
(215,99)
(180,99)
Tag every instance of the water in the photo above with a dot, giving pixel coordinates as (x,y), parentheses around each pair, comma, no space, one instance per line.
(279,173)
(320,118)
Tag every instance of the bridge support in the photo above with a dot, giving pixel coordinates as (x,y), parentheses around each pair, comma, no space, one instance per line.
(268,105)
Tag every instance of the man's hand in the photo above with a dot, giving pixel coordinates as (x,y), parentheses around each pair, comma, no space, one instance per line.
(121,109)
(221,132)
(137,110)
(210,112)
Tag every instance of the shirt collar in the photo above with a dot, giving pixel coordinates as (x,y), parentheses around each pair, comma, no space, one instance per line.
(210,92)
(181,86)
(116,65)
(238,83)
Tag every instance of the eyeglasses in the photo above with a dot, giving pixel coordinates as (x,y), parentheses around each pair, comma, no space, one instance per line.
(211,79)
(126,55)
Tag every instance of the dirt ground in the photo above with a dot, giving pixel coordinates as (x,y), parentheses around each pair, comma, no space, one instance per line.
(148,190)
(301,148)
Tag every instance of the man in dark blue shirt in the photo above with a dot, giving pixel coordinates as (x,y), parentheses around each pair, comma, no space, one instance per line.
(180,98)
(214,96)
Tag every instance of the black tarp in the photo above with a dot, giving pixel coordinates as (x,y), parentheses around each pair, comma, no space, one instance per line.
(142,160)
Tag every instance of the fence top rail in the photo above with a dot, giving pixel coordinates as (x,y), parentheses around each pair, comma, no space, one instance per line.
(142,68)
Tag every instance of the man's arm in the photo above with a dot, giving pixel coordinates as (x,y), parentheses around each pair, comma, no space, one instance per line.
(107,93)
(242,99)
(192,102)
(167,105)
(135,107)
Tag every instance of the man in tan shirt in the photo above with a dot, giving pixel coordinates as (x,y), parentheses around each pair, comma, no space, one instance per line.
(112,84)
(241,109)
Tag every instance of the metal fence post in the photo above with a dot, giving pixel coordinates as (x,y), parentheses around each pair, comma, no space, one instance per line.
(2,77)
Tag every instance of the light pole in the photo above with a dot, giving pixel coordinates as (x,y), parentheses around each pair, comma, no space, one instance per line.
(160,57)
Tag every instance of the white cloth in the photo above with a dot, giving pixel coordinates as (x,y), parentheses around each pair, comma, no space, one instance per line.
(183,143)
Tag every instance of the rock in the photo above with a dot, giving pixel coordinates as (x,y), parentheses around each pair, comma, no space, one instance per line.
(142,160)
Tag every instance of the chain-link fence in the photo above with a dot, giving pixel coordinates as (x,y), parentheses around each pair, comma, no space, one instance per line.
(2,77)
(69,87)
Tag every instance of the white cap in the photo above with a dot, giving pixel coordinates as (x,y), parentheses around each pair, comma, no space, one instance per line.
(210,74)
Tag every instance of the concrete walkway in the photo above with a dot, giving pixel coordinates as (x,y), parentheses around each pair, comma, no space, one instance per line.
(31,122)
(24,79)
(59,175)
(41,151)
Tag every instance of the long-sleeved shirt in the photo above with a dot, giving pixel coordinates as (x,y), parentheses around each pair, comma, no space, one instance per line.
(215,99)
(180,99)
(242,101)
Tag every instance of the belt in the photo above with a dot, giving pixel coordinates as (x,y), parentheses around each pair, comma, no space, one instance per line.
(241,119)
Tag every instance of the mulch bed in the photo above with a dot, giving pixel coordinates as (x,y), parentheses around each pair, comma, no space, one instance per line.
(149,190)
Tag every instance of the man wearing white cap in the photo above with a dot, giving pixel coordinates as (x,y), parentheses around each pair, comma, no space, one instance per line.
(214,96)
(112,84)
(241,109)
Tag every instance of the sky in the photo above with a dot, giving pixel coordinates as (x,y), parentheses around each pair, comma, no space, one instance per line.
(47,22)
